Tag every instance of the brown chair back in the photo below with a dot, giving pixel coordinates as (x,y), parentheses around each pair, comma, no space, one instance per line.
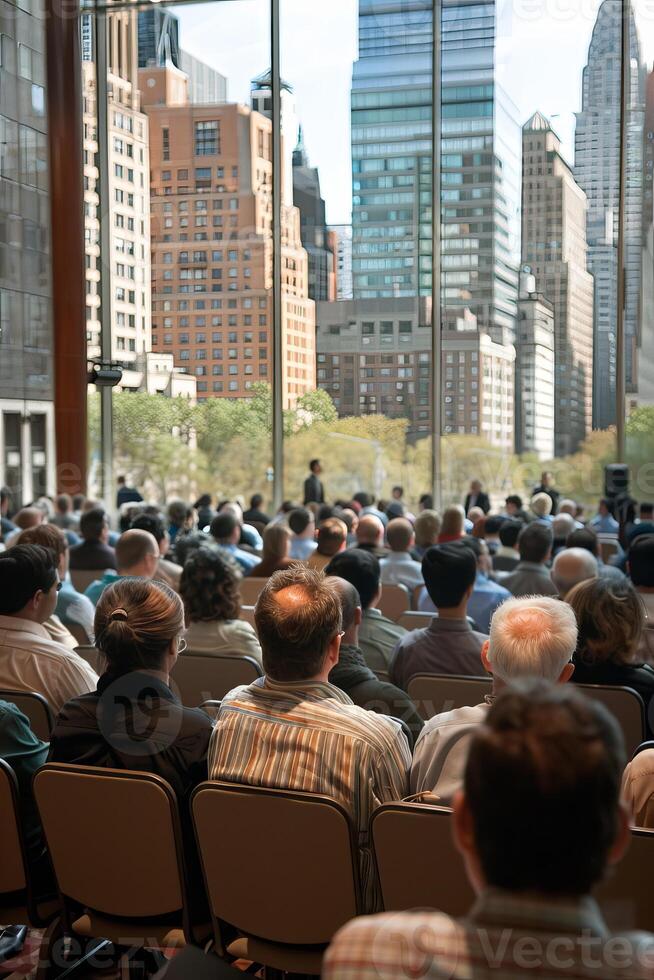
(82,578)
(263,889)
(114,838)
(36,708)
(415,620)
(250,588)
(247,614)
(196,679)
(435,693)
(12,861)
(625,896)
(418,863)
(93,657)
(627,707)
(211,708)
(79,633)
(609,546)
(394,601)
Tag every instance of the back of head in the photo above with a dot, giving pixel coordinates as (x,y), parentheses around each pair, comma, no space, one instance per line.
(151,523)
(641,561)
(586,538)
(133,547)
(427,528)
(223,527)
(297,616)
(276,541)
(535,636)
(186,544)
(362,498)
(610,620)
(28,517)
(209,586)
(204,500)
(514,500)
(449,570)
(426,501)
(370,530)
(349,599)
(92,523)
(572,566)
(562,526)
(567,506)
(177,511)
(493,525)
(510,532)
(332,536)
(361,569)
(542,784)
(256,501)
(399,534)
(535,543)
(233,508)
(64,503)
(300,519)
(136,621)
(46,535)
(25,570)
(453,521)
(541,504)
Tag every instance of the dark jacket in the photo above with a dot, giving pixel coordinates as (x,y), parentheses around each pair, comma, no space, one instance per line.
(255,517)
(353,676)
(554,496)
(639,676)
(482,501)
(128,495)
(92,556)
(314,492)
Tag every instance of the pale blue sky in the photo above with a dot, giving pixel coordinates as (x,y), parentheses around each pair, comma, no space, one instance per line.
(541,49)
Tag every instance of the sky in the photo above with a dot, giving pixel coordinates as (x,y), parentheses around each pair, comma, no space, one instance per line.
(542,46)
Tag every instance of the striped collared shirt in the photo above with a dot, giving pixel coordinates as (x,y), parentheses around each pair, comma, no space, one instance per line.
(310,736)
(505,937)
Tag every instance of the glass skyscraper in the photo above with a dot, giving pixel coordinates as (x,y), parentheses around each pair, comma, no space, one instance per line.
(392,162)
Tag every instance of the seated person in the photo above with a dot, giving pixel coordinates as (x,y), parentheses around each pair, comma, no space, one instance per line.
(29,659)
(640,565)
(331,538)
(638,789)
(487,594)
(538,824)
(276,551)
(378,635)
(303,526)
(399,568)
(531,575)
(448,645)
(370,535)
(167,571)
(133,720)
(570,567)
(181,519)
(73,608)
(255,515)
(319,740)
(137,556)
(226,531)
(250,539)
(507,555)
(610,620)
(586,538)
(453,525)
(604,522)
(94,552)
(529,637)
(353,675)
(427,527)
(209,590)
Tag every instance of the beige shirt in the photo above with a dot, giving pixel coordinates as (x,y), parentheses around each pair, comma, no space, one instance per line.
(31,661)
(58,632)
(232,637)
(638,788)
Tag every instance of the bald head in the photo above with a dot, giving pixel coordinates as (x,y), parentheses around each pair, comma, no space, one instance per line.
(562,526)
(399,534)
(137,553)
(29,517)
(572,566)
(370,530)
(350,603)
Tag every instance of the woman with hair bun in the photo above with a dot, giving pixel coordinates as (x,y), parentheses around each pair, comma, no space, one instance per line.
(133,720)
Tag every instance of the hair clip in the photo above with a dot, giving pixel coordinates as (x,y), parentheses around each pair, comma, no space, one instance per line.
(119,615)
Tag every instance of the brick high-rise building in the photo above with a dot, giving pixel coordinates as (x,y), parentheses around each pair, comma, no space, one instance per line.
(211,221)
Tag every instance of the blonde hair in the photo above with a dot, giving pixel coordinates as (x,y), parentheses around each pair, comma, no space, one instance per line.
(541,504)
(276,541)
(136,620)
(427,527)
(533,636)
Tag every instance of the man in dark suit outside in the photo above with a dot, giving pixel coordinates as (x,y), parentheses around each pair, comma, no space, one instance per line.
(477,498)
(546,485)
(314,492)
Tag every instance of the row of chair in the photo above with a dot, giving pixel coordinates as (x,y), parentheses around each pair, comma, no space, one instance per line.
(276,900)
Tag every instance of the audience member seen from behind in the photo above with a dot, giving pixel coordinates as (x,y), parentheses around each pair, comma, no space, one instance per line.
(427,527)
(94,552)
(514,508)
(6,525)
(133,720)
(72,609)
(180,518)
(167,571)
(448,645)
(610,619)
(254,514)
(399,568)
(210,591)
(507,556)
(640,564)
(572,566)
(29,659)
(63,516)
(378,635)
(453,524)
(586,538)
(604,522)
(540,506)
(538,824)
(226,532)
(353,675)
(137,556)
(531,575)
(529,638)
(321,742)
(370,535)
(276,551)
(303,525)
(204,509)
(331,538)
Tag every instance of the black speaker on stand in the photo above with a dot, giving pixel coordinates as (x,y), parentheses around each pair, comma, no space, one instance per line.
(616,480)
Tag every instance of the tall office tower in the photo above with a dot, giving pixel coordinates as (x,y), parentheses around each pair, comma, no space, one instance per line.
(158,32)
(343,245)
(535,390)
(314,233)
(27,457)
(128,206)
(645,386)
(261,101)
(212,246)
(597,170)
(554,248)
(392,162)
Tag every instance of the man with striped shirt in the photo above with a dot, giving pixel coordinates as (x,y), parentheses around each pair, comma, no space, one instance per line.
(292,729)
